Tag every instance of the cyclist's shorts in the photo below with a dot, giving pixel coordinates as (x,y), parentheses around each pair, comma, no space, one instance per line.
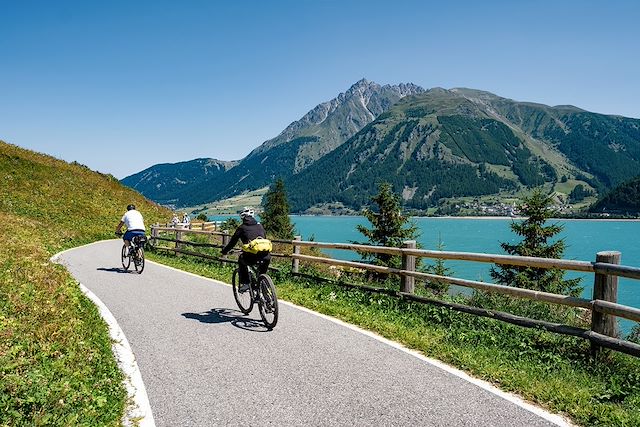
(130,234)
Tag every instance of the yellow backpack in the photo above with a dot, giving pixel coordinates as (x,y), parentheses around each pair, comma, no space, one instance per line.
(257,245)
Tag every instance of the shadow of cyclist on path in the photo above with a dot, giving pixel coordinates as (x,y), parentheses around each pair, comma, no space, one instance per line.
(115,270)
(225,315)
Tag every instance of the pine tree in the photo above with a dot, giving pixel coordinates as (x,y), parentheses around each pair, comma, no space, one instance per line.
(389,226)
(275,217)
(536,242)
(438,268)
(230,225)
(634,335)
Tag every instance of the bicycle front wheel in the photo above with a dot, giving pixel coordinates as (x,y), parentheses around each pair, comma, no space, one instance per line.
(126,261)
(267,301)
(243,299)
(138,261)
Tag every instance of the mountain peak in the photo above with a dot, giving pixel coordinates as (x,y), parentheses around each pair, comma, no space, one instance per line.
(338,119)
(362,82)
(361,85)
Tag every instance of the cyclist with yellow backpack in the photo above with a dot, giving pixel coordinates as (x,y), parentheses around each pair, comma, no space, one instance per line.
(256,248)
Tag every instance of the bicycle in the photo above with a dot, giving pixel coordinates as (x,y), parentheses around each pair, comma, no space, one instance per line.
(135,253)
(261,291)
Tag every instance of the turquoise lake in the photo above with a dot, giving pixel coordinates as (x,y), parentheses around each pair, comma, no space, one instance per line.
(583,238)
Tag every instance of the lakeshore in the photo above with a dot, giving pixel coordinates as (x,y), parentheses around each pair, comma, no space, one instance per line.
(584,238)
(522,217)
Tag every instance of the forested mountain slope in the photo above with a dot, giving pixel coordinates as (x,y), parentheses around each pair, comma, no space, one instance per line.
(460,142)
(304,141)
(164,181)
(431,145)
(603,146)
(624,199)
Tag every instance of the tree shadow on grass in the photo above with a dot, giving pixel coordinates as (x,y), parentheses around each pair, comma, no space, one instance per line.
(225,315)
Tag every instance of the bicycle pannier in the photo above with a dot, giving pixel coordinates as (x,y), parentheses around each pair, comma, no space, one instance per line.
(258,245)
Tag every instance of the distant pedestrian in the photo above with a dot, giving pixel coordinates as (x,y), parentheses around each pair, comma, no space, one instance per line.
(186,219)
(175,220)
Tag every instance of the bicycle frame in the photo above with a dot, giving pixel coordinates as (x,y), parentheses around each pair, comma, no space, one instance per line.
(261,292)
(135,253)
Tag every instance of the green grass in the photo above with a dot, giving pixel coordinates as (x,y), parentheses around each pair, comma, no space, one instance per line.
(502,171)
(548,369)
(230,206)
(56,364)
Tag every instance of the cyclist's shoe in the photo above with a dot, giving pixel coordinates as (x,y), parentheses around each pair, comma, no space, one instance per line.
(243,287)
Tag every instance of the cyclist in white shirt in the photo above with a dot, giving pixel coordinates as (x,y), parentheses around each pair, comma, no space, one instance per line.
(132,219)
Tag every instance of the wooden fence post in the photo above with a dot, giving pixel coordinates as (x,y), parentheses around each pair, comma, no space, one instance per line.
(407,283)
(295,262)
(154,235)
(605,288)
(178,237)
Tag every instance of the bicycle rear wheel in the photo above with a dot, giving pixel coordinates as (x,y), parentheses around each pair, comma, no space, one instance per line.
(243,299)
(267,301)
(126,260)
(138,260)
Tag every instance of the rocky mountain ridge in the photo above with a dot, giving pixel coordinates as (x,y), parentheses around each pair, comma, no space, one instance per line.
(432,145)
(337,120)
(443,144)
(304,141)
(163,181)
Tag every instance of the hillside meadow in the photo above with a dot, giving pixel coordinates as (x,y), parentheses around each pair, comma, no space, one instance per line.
(56,365)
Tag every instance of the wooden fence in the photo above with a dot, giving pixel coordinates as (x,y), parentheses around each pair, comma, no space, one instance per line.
(196,225)
(603,304)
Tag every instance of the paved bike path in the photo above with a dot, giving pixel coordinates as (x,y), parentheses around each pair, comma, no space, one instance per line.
(205,363)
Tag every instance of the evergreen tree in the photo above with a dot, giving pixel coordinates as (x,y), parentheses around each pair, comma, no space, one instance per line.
(578,194)
(230,225)
(536,242)
(275,217)
(389,226)
(634,335)
(439,268)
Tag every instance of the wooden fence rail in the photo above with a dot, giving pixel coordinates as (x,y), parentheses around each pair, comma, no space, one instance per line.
(603,304)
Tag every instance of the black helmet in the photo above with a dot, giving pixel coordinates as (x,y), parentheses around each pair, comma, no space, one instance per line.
(131,207)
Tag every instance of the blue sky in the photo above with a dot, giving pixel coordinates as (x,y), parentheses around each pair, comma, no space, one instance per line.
(122,85)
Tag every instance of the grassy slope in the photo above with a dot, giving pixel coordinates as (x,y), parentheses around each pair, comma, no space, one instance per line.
(56,365)
(230,206)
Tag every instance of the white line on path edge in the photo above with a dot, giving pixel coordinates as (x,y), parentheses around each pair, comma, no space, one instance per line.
(138,410)
(516,400)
